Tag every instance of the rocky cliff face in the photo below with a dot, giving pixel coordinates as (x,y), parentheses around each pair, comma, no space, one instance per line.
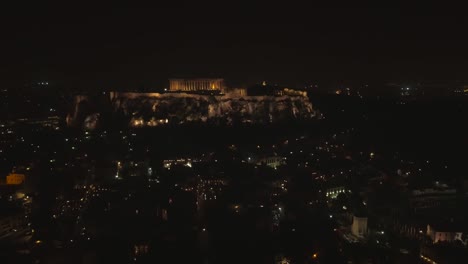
(154,109)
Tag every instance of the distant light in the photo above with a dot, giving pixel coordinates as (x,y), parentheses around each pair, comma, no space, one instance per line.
(38,242)
(315,255)
(331,216)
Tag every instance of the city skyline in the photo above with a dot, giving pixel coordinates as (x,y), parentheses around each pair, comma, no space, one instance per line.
(190,132)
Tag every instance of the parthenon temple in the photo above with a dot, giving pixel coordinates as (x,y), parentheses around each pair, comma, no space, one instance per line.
(195,84)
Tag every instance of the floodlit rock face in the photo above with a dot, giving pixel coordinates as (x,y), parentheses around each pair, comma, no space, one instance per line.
(154,109)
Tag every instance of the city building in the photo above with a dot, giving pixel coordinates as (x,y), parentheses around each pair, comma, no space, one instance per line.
(359,226)
(187,162)
(332,193)
(235,91)
(46,122)
(196,85)
(273,161)
(432,197)
(443,233)
(15,179)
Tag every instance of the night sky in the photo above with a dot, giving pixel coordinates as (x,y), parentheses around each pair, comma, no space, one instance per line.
(121,46)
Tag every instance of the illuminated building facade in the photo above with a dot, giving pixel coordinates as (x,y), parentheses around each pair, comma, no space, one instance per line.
(15,179)
(194,85)
(332,193)
(273,162)
(359,227)
(445,234)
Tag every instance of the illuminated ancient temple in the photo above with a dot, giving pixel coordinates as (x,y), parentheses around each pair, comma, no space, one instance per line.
(193,85)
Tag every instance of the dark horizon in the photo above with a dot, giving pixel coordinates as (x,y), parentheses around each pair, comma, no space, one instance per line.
(97,47)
